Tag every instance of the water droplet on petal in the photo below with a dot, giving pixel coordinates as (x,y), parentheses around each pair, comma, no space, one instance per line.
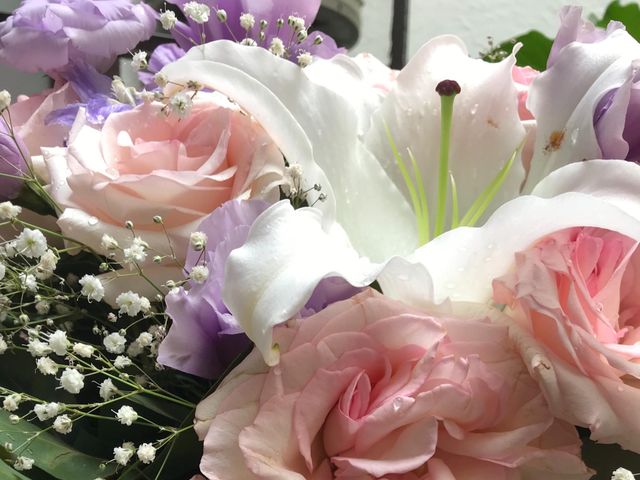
(574,136)
(92,221)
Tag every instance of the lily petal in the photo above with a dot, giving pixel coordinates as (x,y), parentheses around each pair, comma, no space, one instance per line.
(269,279)
(325,142)
(463,262)
(486,126)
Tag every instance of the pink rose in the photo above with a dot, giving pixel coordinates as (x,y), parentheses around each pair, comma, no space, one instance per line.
(370,388)
(523,78)
(28,116)
(575,298)
(145,163)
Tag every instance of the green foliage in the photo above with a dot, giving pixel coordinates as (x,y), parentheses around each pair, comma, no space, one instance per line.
(536,46)
(627,14)
(51,455)
(534,52)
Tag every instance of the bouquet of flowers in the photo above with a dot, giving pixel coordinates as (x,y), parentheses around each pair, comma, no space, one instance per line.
(271,260)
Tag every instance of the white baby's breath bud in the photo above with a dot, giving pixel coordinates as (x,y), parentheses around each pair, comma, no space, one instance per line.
(47,265)
(277,47)
(14,419)
(58,342)
(62,424)
(160,79)
(83,350)
(72,380)
(248,42)
(23,463)
(38,348)
(297,23)
(5,100)
(157,259)
(9,211)
(126,415)
(122,362)
(92,288)
(122,93)
(107,389)
(136,252)
(168,19)
(198,12)
(45,411)
(622,474)
(199,274)
(146,453)
(302,35)
(144,339)
(247,21)
(11,402)
(318,40)
(43,307)
(3,345)
(134,349)
(132,304)
(28,282)
(147,97)
(198,241)
(181,104)
(221,15)
(23,318)
(112,317)
(108,242)
(304,59)
(139,60)
(123,454)
(31,243)
(3,270)
(114,343)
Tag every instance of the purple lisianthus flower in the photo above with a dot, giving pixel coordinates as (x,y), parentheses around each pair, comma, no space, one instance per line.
(204,337)
(11,163)
(271,29)
(94,91)
(49,35)
(587,102)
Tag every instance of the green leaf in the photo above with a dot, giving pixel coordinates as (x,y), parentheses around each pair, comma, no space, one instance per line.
(166,409)
(627,14)
(534,52)
(8,473)
(51,455)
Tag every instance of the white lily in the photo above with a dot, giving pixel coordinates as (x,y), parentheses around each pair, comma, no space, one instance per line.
(367,228)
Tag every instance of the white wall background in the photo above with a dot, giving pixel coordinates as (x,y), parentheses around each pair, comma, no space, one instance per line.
(472,20)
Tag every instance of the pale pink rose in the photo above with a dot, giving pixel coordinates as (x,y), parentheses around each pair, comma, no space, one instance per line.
(523,78)
(28,116)
(575,298)
(145,162)
(370,388)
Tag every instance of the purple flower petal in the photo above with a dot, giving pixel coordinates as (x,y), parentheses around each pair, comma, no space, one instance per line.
(50,35)
(204,337)
(190,33)
(11,163)
(574,29)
